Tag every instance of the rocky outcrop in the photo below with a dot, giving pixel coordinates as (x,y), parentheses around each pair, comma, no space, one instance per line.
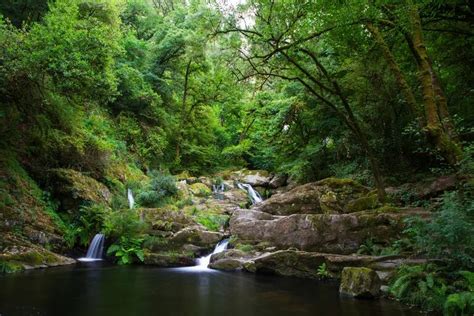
(360,283)
(73,188)
(169,259)
(328,196)
(334,233)
(196,235)
(22,255)
(166,219)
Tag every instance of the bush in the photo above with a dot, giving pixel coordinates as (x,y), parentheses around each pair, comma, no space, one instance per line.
(212,222)
(451,232)
(127,250)
(124,223)
(420,285)
(162,186)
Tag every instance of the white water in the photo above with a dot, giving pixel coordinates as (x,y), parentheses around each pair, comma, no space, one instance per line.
(218,188)
(254,195)
(131,200)
(203,262)
(96,249)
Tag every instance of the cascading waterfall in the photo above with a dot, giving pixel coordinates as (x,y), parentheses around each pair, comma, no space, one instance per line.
(254,195)
(96,249)
(131,200)
(203,262)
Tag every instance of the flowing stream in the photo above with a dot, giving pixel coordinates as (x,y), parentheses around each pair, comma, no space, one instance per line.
(254,195)
(96,249)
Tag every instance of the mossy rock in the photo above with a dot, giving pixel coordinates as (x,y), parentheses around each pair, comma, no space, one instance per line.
(73,188)
(227,265)
(363,203)
(200,189)
(360,283)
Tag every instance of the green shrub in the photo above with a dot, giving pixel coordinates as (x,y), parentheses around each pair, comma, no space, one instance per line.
(124,223)
(213,222)
(162,186)
(323,272)
(127,250)
(451,231)
(420,285)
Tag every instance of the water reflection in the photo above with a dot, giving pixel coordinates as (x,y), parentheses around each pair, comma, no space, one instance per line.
(100,289)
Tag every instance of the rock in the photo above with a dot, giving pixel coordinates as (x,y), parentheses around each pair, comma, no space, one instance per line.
(165,219)
(360,283)
(326,196)
(200,189)
(256,178)
(197,236)
(227,264)
(333,233)
(23,256)
(73,188)
(277,181)
(169,259)
(438,186)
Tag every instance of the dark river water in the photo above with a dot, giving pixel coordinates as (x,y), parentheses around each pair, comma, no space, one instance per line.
(99,289)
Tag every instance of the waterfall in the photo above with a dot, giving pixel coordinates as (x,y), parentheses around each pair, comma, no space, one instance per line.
(96,248)
(218,188)
(203,262)
(254,195)
(131,200)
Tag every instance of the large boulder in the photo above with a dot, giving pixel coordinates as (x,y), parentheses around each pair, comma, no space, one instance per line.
(326,196)
(277,181)
(334,233)
(196,235)
(305,264)
(169,259)
(360,283)
(72,188)
(167,219)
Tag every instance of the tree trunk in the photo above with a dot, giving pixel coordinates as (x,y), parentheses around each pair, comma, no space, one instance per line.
(432,94)
(397,73)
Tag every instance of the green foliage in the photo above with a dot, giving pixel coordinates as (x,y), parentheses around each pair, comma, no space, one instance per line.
(127,250)
(162,186)
(323,272)
(213,222)
(123,223)
(451,231)
(420,285)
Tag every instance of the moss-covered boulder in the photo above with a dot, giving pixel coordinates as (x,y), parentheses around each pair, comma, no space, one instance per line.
(166,219)
(72,188)
(328,196)
(196,235)
(360,283)
(200,189)
(332,233)
(169,258)
(227,264)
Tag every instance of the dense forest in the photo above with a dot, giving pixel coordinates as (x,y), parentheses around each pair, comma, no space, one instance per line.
(100,98)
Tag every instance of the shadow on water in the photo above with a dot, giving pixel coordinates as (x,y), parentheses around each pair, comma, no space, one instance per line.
(102,289)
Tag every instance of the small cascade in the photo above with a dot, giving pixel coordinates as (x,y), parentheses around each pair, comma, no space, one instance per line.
(131,200)
(96,249)
(218,191)
(218,188)
(203,262)
(254,195)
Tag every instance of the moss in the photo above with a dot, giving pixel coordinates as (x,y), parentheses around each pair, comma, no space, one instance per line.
(78,186)
(10,267)
(363,203)
(245,247)
(199,189)
(387,209)
(338,183)
(359,282)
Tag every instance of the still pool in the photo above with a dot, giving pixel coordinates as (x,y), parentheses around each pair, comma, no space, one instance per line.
(102,289)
